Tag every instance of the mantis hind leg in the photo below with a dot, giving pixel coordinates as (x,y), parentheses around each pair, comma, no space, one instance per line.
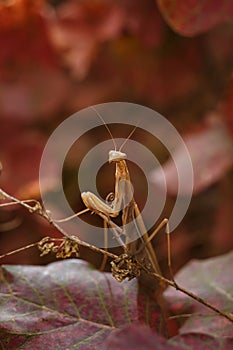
(165,223)
(105,257)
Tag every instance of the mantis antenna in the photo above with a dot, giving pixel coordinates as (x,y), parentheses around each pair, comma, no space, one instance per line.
(109,131)
(131,133)
(106,126)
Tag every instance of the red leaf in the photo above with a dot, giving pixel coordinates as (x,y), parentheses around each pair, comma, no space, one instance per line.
(201,342)
(221,234)
(137,337)
(210,280)
(63,304)
(226,109)
(211,154)
(140,337)
(80,26)
(144,21)
(192,17)
(37,91)
(32,84)
(20,153)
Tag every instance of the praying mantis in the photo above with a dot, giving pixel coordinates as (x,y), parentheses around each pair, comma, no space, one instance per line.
(137,246)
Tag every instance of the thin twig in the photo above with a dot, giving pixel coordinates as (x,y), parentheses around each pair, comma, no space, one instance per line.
(190,294)
(38,209)
(19,250)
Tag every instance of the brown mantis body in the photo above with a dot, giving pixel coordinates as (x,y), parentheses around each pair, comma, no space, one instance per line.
(140,248)
(137,242)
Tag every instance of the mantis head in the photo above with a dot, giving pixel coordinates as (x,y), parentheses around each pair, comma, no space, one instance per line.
(115,156)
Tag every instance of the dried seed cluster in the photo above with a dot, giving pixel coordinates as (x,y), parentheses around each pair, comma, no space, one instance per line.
(64,250)
(125,266)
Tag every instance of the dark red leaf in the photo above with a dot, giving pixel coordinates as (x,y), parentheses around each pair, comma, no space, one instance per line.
(137,337)
(20,153)
(222,230)
(192,17)
(78,29)
(195,341)
(226,108)
(143,20)
(211,154)
(210,280)
(63,304)
(32,84)
(140,337)
(23,34)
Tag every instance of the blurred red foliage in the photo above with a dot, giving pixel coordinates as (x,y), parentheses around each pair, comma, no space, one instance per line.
(57,57)
(192,17)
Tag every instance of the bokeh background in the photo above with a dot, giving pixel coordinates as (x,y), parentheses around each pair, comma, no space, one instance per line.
(57,57)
